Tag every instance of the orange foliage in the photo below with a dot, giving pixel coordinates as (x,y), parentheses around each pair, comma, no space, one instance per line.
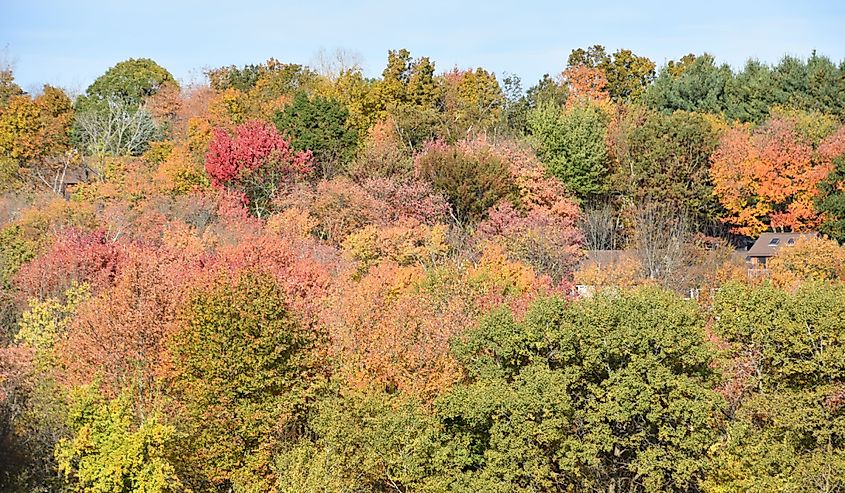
(393,327)
(768,178)
(386,332)
(119,335)
(74,256)
(585,83)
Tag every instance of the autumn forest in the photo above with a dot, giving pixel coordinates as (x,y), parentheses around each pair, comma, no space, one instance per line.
(295,279)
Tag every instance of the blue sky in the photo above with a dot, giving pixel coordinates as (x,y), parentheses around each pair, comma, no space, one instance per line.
(70,43)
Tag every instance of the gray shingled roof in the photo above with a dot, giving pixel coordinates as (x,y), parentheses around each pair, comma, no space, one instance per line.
(767,244)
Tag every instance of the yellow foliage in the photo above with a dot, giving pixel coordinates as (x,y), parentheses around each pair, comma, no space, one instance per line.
(180,172)
(199,135)
(624,273)
(810,259)
(158,152)
(229,108)
(406,244)
(293,222)
(21,126)
(495,270)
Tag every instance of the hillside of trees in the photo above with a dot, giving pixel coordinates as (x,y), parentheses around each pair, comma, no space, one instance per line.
(300,279)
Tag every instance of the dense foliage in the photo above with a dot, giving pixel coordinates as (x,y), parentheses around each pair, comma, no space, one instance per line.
(300,279)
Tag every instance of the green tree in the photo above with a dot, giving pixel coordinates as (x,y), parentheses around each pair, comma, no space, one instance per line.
(242,362)
(472,182)
(607,394)
(831,201)
(111,451)
(693,85)
(751,93)
(8,87)
(363,442)
(130,81)
(547,91)
(665,158)
(319,125)
(571,143)
(786,428)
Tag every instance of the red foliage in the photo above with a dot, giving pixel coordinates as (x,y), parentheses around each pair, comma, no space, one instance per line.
(302,269)
(74,256)
(833,146)
(546,240)
(120,335)
(410,198)
(254,144)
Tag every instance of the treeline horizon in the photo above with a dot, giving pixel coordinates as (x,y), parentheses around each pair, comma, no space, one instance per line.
(299,279)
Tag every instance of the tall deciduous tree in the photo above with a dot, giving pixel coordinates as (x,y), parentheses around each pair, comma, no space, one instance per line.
(255,162)
(666,159)
(767,178)
(571,143)
(612,393)
(129,81)
(242,362)
(787,421)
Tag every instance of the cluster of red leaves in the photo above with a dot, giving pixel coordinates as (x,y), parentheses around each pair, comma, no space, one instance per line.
(548,242)
(120,335)
(410,198)
(254,144)
(74,255)
(303,276)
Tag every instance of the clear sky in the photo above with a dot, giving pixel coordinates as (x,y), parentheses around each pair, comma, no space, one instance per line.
(69,43)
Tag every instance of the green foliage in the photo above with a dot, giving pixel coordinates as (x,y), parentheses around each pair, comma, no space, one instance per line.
(242,362)
(472,182)
(666,158)
(787,432)
(369,442)
(547,92)
(130,81)
(611,392)
(831,202)
(698,86)
(571,143)
(111,451)
(8,87)
(319,125)
(15,250)
(10,178)
(799,337)
(751,93)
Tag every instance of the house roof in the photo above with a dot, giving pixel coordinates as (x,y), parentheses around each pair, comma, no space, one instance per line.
(75,175)
(767,244)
